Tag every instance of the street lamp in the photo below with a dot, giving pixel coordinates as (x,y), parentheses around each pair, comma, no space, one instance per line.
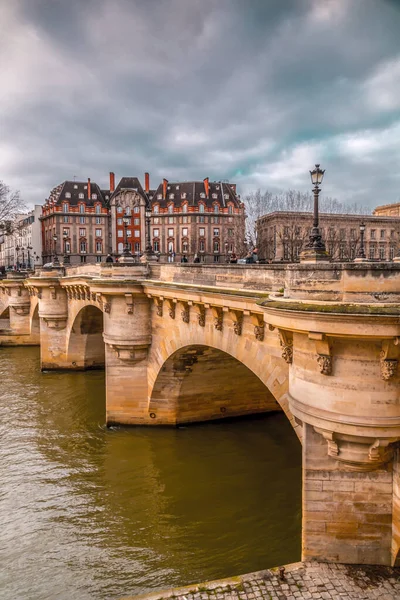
(315,250)
(361,251)
(29,256)
(66,259)
(126,254)
(56,262)
(149,253)
(23,257)
(17,249)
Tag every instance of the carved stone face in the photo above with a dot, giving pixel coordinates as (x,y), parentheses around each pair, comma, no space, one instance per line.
(127,199)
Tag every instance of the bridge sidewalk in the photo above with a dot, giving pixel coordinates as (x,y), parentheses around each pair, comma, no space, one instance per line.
(322,581)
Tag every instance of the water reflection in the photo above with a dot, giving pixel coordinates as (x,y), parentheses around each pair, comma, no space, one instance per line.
(88,512)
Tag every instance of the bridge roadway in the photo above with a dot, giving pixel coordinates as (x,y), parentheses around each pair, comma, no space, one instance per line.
(185,343)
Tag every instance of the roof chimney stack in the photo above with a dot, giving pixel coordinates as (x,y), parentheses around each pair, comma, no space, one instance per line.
(164,188)
(206,187)
(112,182)
(89,191)
(146,182)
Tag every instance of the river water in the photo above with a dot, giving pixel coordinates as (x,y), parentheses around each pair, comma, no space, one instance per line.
(88,512)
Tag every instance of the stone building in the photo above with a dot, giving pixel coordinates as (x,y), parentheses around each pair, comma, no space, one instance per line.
(21,245)
(283,235)
(387,210)
(75,222)
(188,218)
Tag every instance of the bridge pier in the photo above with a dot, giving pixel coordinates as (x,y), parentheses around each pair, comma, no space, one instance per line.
(17,314)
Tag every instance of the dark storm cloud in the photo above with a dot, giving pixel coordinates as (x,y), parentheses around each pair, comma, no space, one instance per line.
(254,91)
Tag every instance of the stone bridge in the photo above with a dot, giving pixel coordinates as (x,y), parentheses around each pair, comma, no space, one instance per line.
(186,343)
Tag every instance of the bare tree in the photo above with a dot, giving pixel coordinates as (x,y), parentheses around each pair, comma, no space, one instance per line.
(293,238)
(10,207)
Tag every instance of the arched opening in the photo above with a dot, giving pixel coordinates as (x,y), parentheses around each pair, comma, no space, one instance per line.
(86,345)
(5,319)
(200,383)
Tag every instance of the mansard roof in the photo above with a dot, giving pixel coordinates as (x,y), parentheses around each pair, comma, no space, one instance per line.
(194,192)
(130,183)
(69,191)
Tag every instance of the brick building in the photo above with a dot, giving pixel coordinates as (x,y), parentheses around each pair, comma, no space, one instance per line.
(188,218)
(75,222)
(283,235)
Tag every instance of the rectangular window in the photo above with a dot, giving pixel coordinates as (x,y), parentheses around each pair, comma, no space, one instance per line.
(171,220)
(82,220)
(83,259)
(382,253)
(99,247)
(230,232)
(201,219)
(372,234)
(352,234)
(82,247)
(156,246)
(136,209)
(391,252)
(119,221)
(65,232)
(128,232)
(81,208)
(216,232)
(120,233)
(137,233)
(156,220)
(201,246)
(67,247)
(342,234)
(382,234)
(66,219)
(372,252)
(98,220)
(185,231)
(156,233)
(98,258)
(170,233)
(82,232)
(98,233)
(202,232)
(136,221)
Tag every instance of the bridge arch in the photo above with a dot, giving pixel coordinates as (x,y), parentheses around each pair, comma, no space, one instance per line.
(171,376)
(4,317)
(35,320)
(85,345)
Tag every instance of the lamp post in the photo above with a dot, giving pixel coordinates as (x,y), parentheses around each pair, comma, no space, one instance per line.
(226,253)
(315,251)
(149,253)
(17,249)
(56,262)
(29,256)
(126,254)
(361,251)
(23,257)
(66,259)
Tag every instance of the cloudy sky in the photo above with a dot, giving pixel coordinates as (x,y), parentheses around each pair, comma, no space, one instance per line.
(254,91)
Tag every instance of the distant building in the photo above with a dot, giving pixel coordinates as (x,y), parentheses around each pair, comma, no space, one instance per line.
(283,235)
(187,218)
(21,246)
(75,223)
(387,210)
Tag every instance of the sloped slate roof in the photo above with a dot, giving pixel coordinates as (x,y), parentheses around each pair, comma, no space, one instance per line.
(74,188)
(193,189)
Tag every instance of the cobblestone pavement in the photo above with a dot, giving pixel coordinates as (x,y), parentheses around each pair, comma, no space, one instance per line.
(321,581)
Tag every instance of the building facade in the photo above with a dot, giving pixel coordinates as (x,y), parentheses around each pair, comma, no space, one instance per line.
(21,246)
(200,218)
(75,223)
(283,235)
(387,210)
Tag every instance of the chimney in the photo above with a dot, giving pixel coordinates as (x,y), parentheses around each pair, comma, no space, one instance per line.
(146,182)
(112,182)
(164,188)
(89,191)
(206,187)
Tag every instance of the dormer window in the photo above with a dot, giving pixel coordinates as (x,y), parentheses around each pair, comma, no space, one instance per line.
(94,196)
(226,196)
(230,209)
(169,187)
(85,187)
(68,194)
(98,209)
(185,207)
(183,195)
(81,196)
(171,196)
(202,195)
(159,196)
(107,197)
(156,209)
(217,187)
(201,208)
(216,208)
(75,187)
(65,207)
(81,208)
(215,196)
(177,187)
(171,209)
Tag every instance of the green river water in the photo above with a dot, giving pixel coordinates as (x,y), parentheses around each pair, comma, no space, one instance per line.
(88,512)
